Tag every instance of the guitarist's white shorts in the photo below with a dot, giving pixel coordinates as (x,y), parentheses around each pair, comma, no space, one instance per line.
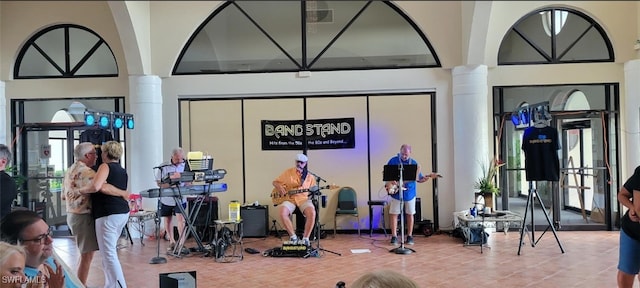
(409,206)
(292,207)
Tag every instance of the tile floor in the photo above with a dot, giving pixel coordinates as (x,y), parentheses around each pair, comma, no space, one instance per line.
(589,260)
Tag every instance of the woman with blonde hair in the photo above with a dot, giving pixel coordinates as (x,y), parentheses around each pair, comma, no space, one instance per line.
(12,261)
(111,212)
(384,279)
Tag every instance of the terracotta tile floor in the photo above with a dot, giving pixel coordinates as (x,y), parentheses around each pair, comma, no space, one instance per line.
(589,260)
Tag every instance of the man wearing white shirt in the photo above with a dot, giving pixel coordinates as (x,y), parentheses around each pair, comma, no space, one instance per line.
(168,205)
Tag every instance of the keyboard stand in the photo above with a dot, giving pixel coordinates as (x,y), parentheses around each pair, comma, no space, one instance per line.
(189,227)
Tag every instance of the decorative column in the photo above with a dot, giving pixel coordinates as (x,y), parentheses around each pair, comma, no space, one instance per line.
(4,130)
(145,140)
(630,112)
(470,130)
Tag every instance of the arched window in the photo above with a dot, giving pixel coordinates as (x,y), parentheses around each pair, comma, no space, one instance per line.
(286,36)
(576,38)
(65,51)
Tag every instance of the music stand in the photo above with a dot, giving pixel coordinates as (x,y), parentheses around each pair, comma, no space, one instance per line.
(398,173)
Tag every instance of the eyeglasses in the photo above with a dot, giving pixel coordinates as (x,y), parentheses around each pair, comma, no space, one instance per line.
(300,162)
(92,153)
(40,237)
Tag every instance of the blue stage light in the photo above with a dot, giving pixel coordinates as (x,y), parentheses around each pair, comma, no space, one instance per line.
(118,122)
(524,117)
(104,121)
(89,119)
(130,122)
(515,119)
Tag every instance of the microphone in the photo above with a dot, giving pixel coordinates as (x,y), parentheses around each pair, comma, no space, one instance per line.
(316,175)
(161,166)
(168,164)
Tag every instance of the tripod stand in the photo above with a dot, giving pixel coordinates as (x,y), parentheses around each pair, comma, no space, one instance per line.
(533,193)
(274,229)
(315,196)
(158,259)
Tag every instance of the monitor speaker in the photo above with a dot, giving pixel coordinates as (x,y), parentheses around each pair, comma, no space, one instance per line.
(255,221)
(209,208)
(418,215)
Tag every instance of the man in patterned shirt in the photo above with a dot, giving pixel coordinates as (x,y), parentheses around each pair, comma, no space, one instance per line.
(79,219)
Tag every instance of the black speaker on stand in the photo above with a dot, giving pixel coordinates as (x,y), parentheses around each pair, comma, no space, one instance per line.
(255,221)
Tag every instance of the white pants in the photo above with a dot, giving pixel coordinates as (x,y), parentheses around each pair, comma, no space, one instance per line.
(108,231)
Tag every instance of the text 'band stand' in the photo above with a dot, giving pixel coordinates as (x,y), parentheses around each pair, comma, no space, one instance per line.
(400,173)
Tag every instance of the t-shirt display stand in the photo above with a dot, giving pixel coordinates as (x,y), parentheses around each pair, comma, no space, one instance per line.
(540,144)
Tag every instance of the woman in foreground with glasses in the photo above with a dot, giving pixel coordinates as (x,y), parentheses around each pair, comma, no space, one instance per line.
(42,268)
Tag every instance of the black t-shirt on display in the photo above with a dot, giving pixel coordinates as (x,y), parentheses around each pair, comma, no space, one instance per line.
(540,146)
(631,228)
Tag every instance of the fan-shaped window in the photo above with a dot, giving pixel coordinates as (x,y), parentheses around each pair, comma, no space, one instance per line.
(575,38)
(65,51)
(278,36)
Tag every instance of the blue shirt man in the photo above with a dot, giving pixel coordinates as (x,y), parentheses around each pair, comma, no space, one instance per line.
(408,194)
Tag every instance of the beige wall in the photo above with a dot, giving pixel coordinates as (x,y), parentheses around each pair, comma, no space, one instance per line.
(171,23)
(379,130)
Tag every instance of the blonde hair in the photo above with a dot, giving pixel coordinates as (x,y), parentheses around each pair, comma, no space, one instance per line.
(6,250)
(383,279)
(113,150)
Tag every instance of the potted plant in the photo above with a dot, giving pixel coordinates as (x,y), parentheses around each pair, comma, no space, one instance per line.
(485,185)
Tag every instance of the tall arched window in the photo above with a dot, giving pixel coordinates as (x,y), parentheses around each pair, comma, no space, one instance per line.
(65,51)
(285,36)
(576,38)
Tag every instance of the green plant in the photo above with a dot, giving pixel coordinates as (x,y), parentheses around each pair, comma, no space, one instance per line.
(20,179)
(486,184)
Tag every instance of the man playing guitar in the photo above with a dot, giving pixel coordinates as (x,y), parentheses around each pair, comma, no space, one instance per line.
(296,178)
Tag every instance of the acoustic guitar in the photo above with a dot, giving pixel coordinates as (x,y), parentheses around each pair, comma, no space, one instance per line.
(277,199)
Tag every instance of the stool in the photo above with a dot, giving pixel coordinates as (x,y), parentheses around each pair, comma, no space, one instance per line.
(138,220)
(376,203)
(233,252)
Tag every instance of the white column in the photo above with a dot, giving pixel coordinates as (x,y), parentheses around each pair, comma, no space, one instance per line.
(4,130)
(145,140)
(631,113)
(470,130)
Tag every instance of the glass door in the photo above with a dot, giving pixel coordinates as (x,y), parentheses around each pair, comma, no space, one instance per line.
(47,151)
(583,174)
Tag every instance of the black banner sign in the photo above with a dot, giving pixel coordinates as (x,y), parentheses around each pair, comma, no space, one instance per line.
(320,134)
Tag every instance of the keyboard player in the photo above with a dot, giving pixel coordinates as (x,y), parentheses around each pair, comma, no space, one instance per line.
(168,205)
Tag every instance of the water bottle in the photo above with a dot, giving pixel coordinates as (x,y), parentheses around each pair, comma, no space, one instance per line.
(473,212)
(234,210)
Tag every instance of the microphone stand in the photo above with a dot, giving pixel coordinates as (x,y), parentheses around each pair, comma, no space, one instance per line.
(317,231)
(401,249)
(158,259)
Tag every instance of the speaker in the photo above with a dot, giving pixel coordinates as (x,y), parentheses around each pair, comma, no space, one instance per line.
(418,215)
(255,221)
(201,219)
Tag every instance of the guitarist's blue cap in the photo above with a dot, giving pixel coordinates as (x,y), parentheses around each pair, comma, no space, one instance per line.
(302,158)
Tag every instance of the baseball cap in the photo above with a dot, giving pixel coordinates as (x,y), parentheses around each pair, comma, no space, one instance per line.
(302,158)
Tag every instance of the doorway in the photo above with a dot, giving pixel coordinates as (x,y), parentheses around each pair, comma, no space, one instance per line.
(581,189)
(586,121)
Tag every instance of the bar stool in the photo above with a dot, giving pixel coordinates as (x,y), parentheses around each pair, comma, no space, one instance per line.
(372,203)
(234,251)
